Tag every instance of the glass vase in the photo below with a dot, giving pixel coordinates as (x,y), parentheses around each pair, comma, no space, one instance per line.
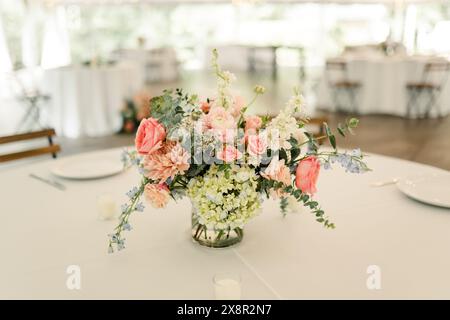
(214,238)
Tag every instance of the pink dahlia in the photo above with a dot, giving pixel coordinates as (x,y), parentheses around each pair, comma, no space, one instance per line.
(167,162)
(157,194)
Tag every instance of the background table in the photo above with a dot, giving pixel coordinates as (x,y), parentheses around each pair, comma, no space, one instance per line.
(154,65)
(86,101)
(383,85)
(45,230)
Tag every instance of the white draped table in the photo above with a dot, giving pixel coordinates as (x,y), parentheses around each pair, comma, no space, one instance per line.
(383,85)
(86,101)
(45,230)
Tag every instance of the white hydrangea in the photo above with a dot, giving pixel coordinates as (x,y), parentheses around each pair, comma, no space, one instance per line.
(225,200)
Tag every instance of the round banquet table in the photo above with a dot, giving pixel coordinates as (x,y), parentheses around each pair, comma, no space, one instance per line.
(383,85)
(86,101)
(46,230)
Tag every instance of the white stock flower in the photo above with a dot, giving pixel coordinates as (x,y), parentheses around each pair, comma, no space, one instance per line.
(280,130)
(296,105)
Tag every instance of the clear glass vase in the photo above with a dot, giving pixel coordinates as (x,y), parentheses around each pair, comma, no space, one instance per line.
(213,238)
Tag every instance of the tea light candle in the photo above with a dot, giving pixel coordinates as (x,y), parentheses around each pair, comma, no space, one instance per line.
(227,287)
(106,207)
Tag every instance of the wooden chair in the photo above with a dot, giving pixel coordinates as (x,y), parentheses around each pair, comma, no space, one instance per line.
(434,77)
(318,123)
(341,86)
(52,148)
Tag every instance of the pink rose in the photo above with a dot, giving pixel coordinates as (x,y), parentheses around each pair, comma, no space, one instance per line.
(149,136)
(229,154)
(218,118)
(256,144)
(253,123)
(157,194)
(306,175)
(237,106)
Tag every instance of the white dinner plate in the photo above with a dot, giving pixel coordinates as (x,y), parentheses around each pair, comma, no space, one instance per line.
(93,165)
(432,189)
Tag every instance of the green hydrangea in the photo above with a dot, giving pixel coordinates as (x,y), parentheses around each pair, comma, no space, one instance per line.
(225,197)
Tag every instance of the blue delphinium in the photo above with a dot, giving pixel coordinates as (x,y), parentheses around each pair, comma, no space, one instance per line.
(140,207)
(132,192)
(126,227)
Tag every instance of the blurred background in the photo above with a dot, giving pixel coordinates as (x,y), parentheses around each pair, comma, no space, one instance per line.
(88,68)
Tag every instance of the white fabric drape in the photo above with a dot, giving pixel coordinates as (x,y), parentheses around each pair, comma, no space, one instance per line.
(55,48)
(29,41)
(5,64)
(5,60)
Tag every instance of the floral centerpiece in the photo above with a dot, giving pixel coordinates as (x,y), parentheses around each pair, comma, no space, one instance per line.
(227,161)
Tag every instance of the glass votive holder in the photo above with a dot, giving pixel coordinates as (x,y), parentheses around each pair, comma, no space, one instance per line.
(227,286)
(106,207)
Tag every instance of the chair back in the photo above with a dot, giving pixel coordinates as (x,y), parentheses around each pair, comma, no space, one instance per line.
(436,72)
(52,148)
(336,71)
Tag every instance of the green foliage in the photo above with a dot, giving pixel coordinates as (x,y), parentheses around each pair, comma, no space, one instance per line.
(283,205)
(170,108)
(330,135)
(196,169)
(350,124)
(265,120)
(313,205)
(353,123)
(312,143)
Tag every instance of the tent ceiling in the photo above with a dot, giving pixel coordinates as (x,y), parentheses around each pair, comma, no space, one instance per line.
(398,2)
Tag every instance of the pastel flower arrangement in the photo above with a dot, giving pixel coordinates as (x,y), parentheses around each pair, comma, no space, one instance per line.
(227,161)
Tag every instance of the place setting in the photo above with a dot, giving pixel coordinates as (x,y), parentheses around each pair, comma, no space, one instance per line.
(432,189)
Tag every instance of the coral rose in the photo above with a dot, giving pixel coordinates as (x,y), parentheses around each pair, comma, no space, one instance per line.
(306,175)
(205,106)
(149,136)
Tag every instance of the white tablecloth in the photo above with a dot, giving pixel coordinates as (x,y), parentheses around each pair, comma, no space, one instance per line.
(158,64)
(45,230)
(383,85)
(86,101)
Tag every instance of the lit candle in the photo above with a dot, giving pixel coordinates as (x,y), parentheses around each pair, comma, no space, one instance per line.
(227,287)
(106,207)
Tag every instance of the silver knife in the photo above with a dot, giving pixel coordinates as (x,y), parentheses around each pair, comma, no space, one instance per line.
(53,183)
